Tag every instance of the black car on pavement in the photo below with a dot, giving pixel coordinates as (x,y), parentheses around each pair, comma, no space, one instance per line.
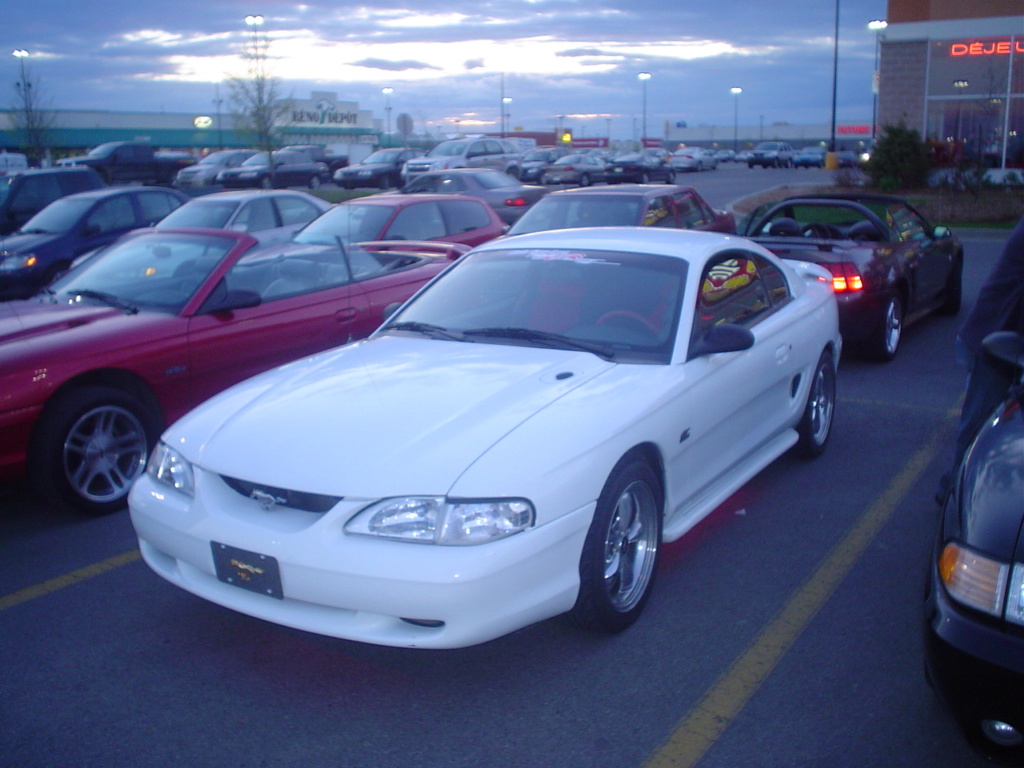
(382,169)
(285,168)
(974,608)
(640,168)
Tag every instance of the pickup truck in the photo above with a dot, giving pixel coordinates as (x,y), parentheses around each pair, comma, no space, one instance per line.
(127,161)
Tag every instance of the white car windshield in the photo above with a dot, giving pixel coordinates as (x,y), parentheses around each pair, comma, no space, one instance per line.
(620,306)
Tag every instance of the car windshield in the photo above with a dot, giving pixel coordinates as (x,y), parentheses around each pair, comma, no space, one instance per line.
(260,158)
(214,158)
(446,149)
(5,187)
(621,306)
(571,160)
(58,217)
(538,155)
(210,214)
(494,180)
(629,157)
(104,149)
(567,211)
(351,222)
(153,271)
(768,145)
(383,156)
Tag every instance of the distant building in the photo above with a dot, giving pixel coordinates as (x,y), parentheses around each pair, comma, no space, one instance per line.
(320,119)
(954,71)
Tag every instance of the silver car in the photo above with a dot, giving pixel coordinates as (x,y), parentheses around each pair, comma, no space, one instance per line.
(271,216)
(204,173)
(467,153)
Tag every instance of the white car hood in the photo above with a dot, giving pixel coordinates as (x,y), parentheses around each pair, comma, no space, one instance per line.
(383,417)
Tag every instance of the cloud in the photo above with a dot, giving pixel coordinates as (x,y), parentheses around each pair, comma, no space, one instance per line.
(474,64)
(393,66)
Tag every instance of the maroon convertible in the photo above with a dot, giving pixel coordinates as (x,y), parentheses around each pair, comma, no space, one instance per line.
(889,265)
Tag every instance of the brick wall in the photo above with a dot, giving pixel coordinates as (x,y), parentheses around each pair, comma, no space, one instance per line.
(902,86)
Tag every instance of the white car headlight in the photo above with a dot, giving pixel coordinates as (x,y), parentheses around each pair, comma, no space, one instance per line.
(437,520)
(168,467)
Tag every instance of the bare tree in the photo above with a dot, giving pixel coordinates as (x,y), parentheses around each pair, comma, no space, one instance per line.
(32,120)
(256,97)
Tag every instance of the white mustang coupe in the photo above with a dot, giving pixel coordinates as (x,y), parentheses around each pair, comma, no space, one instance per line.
(514,443)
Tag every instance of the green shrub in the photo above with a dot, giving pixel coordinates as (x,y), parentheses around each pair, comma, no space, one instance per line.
(900,160)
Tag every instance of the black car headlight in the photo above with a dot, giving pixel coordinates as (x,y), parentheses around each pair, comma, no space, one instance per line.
(976,580)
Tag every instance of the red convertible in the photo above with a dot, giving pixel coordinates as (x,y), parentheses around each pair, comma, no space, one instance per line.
(93,368)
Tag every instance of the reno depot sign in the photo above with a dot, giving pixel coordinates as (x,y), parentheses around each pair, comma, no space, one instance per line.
(987,47)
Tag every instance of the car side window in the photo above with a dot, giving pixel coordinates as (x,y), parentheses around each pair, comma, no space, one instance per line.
(422,221)
(36,192)
(464,216)
(659,213)
(492,147)
(257,215)
(691,213)
(155,205)
(295,210)
(288,275)
(907,224)
(112,215)
(737,287)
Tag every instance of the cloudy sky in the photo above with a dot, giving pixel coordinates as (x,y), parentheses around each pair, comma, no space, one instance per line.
(446,61)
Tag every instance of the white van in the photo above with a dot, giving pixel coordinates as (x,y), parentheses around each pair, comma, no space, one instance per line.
(12,162)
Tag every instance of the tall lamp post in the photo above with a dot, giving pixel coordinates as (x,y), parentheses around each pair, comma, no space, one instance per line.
(505,114)
(387,91)
(643,77)
(877,25)
(959,85)
(736,91)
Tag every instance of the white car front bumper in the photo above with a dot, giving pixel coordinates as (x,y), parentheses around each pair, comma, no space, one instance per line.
(357,587)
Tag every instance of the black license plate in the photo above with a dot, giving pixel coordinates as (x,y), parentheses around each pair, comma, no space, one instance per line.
(248,570)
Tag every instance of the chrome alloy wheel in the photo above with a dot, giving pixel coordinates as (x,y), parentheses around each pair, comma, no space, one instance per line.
(631,546)
(104,453)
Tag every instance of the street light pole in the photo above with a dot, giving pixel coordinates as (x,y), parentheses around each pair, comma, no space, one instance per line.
(643,77)
(877,26)
(736,91)
(505,114)
(387,109)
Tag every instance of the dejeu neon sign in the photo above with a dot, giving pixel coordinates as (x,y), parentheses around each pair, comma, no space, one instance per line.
(989,48)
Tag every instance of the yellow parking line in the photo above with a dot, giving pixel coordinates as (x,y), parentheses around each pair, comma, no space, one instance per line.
(82,574)
(698,731)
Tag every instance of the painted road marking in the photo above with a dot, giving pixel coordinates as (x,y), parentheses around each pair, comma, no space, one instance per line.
(701,727)
(75,577)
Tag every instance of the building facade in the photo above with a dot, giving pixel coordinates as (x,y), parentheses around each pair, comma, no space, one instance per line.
(321,119)
(954,71)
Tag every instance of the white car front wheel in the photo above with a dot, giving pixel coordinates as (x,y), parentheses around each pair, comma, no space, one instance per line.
(620,554)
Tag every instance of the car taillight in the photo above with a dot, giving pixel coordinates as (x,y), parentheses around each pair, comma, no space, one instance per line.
(845,278)
(516,202)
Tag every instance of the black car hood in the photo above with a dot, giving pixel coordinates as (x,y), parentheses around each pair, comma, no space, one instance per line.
(25,243)
(990,485)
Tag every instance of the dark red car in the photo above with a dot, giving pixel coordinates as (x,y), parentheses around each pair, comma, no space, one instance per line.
(889,266)
(93,368)
(624,205)
(447,218)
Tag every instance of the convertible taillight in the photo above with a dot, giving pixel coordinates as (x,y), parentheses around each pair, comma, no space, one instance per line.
(845,278)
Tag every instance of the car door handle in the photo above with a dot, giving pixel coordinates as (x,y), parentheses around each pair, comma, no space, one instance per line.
(782,353)
(346,315)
